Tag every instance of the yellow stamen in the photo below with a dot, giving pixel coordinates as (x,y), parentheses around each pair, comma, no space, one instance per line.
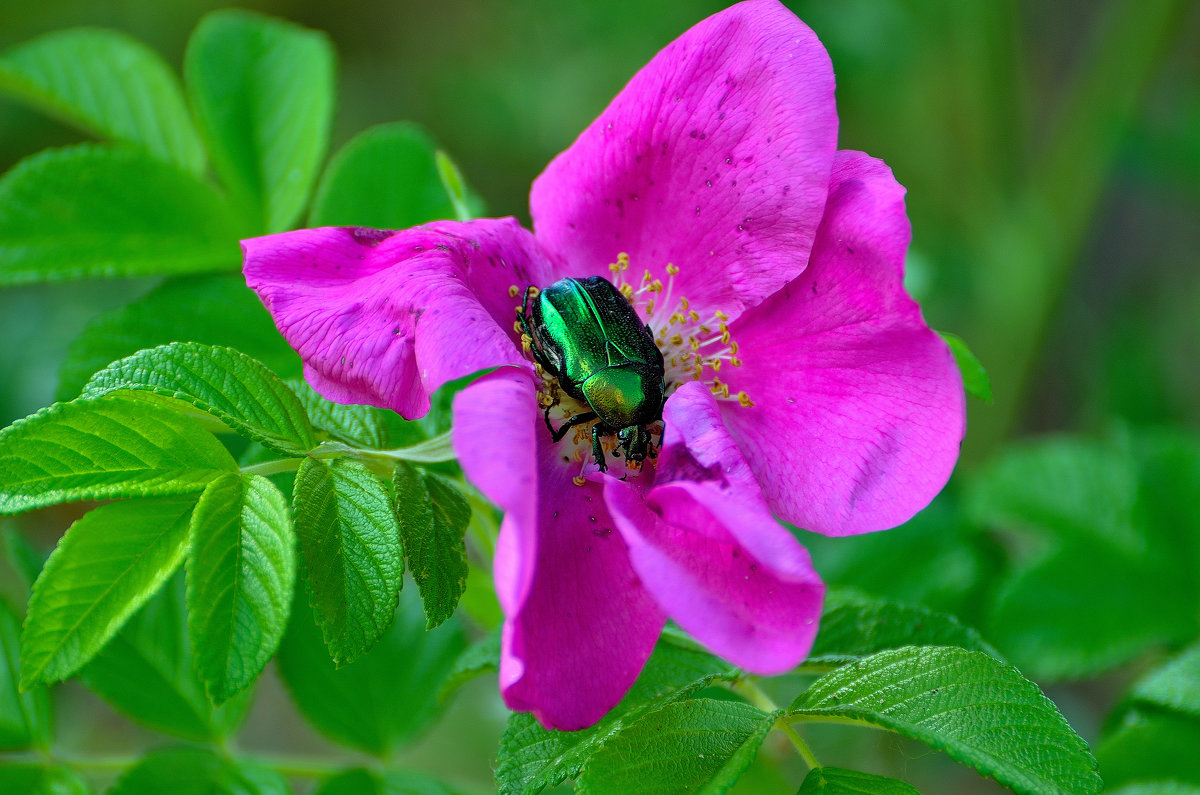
(579,480)
(745,400)
(672,269)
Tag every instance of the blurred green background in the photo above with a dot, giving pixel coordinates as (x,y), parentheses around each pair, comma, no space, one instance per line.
(1051,152)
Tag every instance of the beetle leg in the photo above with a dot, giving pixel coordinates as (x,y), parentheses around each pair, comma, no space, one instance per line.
(597,448)
(654,450)
(577,419)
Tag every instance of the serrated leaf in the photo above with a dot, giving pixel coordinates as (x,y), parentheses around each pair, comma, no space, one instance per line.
(853,627)
(364,426)
(262,90)
(28,778)
(369,782)
(384,698)
(110,85)
(93,211)
(197,771)
(146,673)
(385,178)
(105,567)
(532,758)
(213,309)
(980,711)
(836,781)
(480,658)
(103,449)
(350,547)
(240,579)
(223,382)
(699,745)
(975,378)
(1151,746)
(25,717)
(433,519)
(1174,685)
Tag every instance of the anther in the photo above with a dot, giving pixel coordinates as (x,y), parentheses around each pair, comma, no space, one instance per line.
(672,269)
(579,480)
(721,315)
(683,304)
(745,400)
(517,327)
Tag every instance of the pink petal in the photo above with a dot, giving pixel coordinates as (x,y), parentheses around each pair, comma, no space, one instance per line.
(708,549)
(385,318)
(579,625)
(715,157)
(859,406)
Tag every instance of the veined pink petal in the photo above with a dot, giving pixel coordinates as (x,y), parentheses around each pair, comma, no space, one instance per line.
(859,406)
(385,318)
(708,549)
(578,623)
(715,157)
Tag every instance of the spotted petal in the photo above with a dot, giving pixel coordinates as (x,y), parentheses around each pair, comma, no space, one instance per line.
(385,318)
(715,157)
(859,407)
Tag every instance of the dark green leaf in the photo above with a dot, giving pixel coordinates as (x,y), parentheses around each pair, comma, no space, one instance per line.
(1152,746)
(364,426)
(25,561)
(1175,685)
(25,717)
(26,778)
(197,771)
(223,382)
(92,211)
(836,781)
(384,698)
(532,758)
(385,178)
(216,309)
(350,548)
(369,782)
(980,711)
(480,658)
(240,578)
(433,518)
(105,567)
(110,85)
(262,90)
(700,746)
(975,378)
(103,449)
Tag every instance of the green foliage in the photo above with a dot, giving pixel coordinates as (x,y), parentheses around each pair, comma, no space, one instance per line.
(1151,746)
(110,85)
(262,91)
(106,566)
(975,378)
(25,717)
(227,384)
(966,704)
(433,519)
(369,782)
(102,449)
(365,426)
(698,746)
(1174,685)
(197,771)
(92,211)
(240,575)
(27,778)
(479,658)
(836,781)
(350,547)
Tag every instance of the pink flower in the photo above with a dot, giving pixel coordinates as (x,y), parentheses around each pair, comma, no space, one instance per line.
(803,383)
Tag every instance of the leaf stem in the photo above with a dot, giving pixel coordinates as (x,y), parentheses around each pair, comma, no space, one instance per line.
(273,467)
(756,696)
(430,451)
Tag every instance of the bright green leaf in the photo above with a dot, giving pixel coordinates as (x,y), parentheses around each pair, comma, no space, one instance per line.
(384,178)
(262,90)
(103,449)
(25,717)
(27,778)
(1151,746)
(980,711)
(240,578)
(384,698)
(213,309)
(369,782)
(836,781)
(363,426)
(1156,788)
(105,567)
(92,211)
(223,382)
(433,518)
(110,85)
(466,205)
(479,658)
(975,378)
(350,548)
(1175,685)
(197,771)
(700,746)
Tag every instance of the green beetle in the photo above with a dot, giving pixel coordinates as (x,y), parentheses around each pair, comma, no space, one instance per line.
(588,336)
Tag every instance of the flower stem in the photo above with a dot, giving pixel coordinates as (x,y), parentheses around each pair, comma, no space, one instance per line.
(756,696)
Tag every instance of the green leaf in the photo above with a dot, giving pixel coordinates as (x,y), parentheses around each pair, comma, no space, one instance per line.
(110,85)
(466,204)
(262,90)
(433,519)
(350,548)
(241,574)
(23,559)
(1175,685)
(979,710)
(532,758)
(26,778)
(385,178)
(975,378)
(369,782)
(853,627)
(479,658)
(1156,788)
(197,771)
(225,383)
(837,781)
(363,426)
(93,211)
(384,698)
(105,567)
(700,746)
(25,717)
(1152,746)
(214,309)
(146,673)
(103,449)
